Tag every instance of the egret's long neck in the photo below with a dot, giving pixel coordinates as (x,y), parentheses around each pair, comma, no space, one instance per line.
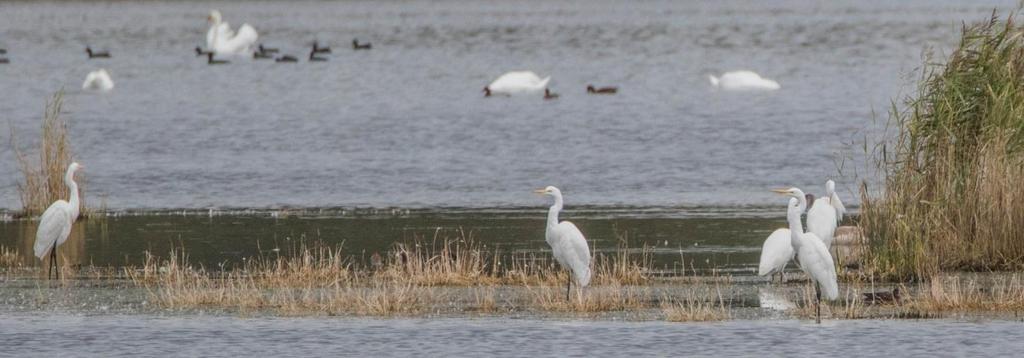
(69,180)
(802,201)
(795,227)
(553,212)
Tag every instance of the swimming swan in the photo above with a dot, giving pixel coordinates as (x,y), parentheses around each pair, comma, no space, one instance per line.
(222,40)
(517,82)
(743,81)
(98,80)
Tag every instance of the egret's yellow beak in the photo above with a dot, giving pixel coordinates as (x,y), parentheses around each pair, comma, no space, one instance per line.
(781,191)
(540,191)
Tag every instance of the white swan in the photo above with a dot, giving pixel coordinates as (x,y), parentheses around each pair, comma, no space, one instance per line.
(98,80)
(517,82)
(222,40)
(743,81)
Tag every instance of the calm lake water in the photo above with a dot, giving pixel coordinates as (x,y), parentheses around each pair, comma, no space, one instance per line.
(405,125)
(49,334)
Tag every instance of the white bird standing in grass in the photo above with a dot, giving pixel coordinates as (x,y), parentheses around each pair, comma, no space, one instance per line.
(98,80)
(516,82)
(222,40)
(55,223)
(567,243)
(743,81)
(812,255)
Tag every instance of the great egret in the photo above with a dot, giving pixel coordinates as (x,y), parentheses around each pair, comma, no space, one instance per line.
(812,255)
(824,214)
(222,40)
(743,81)
(776,252)
(55,223)
(517,82)
(98,80)
(567,243)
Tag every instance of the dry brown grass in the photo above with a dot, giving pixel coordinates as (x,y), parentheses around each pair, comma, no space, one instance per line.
(318,279)
(944,294)
(44,181)
(702,304)
(10,258)
(952,198)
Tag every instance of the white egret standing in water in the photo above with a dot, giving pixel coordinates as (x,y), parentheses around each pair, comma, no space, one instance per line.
(55,223)
(567,243)
(812,255)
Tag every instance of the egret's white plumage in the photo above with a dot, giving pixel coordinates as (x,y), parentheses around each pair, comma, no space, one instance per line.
(825,215)
(98,80)
(567,242)
(812,255)
(516,82)
(55,223)
(743,81)
(830,191)
(222,40)
(776,252)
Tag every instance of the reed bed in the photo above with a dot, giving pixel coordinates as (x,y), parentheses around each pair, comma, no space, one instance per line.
(44,180)
(953,169)
(945,294)
(407,280)
(702,304)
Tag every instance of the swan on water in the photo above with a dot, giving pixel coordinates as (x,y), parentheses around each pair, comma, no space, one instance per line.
(98,80)
(516,82)
(743,81)
(222,40)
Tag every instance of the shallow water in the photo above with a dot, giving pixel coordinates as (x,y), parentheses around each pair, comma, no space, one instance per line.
(46,334)
(675,240)
(405,124)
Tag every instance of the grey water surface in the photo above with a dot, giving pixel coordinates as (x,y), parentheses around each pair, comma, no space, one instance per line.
(406,125)
(216,336)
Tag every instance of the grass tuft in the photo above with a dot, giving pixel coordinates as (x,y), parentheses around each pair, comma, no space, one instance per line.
(44,181)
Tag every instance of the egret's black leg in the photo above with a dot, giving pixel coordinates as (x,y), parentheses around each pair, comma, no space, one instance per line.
(568,285)
(56,265)
(817,291)
(49,265)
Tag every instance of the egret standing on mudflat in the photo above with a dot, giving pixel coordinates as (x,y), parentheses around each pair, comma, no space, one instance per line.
(777,250)
(812,255)
(567,243)
(824,214)
(55,223)
(776,253)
